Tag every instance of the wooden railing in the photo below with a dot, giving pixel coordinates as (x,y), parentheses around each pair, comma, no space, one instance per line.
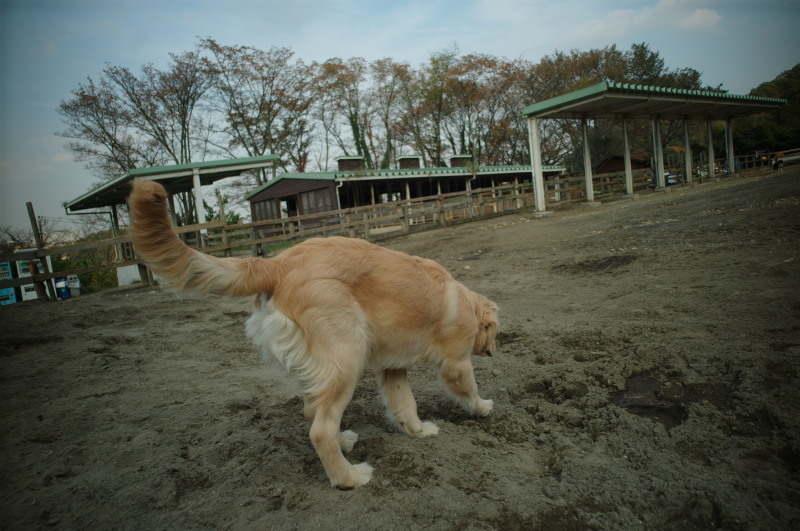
(372,222)
(571,187)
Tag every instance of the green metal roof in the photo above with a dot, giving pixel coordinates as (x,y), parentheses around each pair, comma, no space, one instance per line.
(625,100)
(315,176)
(366,175)
(212,166)
(176,178)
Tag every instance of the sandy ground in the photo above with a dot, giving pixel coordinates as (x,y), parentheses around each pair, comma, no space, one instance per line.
(647,378)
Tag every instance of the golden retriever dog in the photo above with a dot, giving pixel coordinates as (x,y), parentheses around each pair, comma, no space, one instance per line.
(328,309)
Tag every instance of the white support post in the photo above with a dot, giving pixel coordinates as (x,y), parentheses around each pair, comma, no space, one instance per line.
(731,163)
(711,170)
(626,147)
(198,205)
(198,197)
(173,216)
(118,255)
(660,180)
(536,164)
(687,153)
(587,161)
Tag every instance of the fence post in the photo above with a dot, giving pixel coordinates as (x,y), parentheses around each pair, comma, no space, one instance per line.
(366,224)
(255,249)
(145,275)
(41,285)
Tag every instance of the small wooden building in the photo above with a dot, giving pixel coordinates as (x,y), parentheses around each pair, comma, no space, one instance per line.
(616,163)
(297,194)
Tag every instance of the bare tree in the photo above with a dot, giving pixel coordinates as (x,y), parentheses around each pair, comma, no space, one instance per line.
(14,238)
(266,99)
(126,121)
(426,106)
(387,77)
(102,132)
(345,86)
(161,104)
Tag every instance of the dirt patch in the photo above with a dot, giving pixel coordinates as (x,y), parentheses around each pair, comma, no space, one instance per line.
(605,264)
(647,377)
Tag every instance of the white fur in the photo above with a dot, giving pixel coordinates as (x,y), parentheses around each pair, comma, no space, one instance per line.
(277,335)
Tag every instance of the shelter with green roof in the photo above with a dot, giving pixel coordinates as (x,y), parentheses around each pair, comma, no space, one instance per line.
(177,178)
(624,102)
(350,185)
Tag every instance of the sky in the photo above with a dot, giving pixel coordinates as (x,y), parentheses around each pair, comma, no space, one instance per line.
(49,47)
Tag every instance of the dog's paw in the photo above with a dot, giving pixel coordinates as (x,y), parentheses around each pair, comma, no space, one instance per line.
(428,429)
(360,475)
(346,440)
(483,407)
(364,472)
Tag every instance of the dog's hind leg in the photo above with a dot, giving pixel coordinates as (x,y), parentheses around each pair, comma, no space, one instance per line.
(460,380)
(347,439)
(327,439)
(402,407)
(338,343)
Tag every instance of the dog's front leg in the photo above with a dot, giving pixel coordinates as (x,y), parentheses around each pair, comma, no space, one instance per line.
(460,380)
(402,407)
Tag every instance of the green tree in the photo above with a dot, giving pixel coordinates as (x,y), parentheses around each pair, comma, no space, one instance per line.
(231,216)
(565,72)
(778,129)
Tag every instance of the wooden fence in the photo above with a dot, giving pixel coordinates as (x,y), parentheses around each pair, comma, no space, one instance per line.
(373,222)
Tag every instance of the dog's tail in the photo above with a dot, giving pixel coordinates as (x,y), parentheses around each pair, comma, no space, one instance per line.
(183,268)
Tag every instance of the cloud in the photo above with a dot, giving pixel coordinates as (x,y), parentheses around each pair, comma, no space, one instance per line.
(663,16)
(700,19)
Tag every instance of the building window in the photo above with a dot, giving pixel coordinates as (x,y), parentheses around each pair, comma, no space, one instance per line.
(315,201)
(266,210)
